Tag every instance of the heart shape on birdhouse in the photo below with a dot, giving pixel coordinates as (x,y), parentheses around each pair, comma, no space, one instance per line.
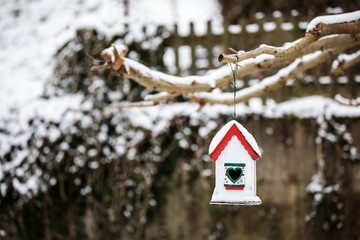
(234,174)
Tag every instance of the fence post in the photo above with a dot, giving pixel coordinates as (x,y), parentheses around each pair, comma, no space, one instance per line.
(226,36)
(193,67)
(278,31)
(243,35)
(176,49)
(353,87)
(296,32)
(333,90)
(210,45)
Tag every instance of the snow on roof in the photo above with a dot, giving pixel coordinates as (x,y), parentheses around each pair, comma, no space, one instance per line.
(332,19)
(224,130)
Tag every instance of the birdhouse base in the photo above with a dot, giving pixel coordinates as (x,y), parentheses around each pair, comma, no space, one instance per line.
(248,201)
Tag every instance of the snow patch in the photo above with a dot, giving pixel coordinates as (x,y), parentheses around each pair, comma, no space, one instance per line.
(333,19)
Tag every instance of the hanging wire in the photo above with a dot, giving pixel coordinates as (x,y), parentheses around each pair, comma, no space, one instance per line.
(234,86)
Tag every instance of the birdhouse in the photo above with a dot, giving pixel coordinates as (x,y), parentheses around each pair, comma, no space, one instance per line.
(235,152)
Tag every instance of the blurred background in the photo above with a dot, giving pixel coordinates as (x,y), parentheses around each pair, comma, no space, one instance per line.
(70,169)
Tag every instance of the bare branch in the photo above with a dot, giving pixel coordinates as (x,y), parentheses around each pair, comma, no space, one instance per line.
(343,62)
(131,105)
(268,84)
(346,101)
(162,96)
(260,64)
(319,31)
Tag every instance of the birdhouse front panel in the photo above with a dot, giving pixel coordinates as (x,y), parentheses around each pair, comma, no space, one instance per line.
(235,165)
(234,151)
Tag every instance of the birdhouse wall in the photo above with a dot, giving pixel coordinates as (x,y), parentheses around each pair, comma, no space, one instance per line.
(234,153)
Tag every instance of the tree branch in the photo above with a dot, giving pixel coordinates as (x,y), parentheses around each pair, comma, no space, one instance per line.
(131,105)
(314,33)
(268,84)
(324,38)
(346,101)
(343,62)
(162,96)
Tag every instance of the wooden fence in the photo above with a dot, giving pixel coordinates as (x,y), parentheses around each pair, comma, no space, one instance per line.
(243,35)
(205,48)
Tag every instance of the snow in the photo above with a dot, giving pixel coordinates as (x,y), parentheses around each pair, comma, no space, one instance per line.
(252,28)
(43,26)
(303,24)
(333,19)
(110,51)
(318,189)
(316,184)
(311,107)
(184,57)
(187,11)
(259,15)
(160,94)
(342,79)
(357,78)
(220,135)
(334,10)
(206,173)
(209,79)
(287,26)
(343,57)
(277,14)
(30,185)
(234,29)
(324,80)
(269,26)
(169,60)
(294,12)
(346,101)
(306,107)
(257,59)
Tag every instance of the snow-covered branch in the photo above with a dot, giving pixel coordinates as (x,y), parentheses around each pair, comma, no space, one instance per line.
(348,102)
(348,23)
(325,37)
(344,61)
(268,84)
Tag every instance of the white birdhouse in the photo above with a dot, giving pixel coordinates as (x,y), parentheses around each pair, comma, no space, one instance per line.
(235,152)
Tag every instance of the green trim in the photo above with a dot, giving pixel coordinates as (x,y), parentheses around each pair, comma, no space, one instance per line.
(233,185)
(235,164)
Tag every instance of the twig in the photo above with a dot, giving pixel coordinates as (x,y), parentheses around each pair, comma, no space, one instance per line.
(347,101)
(162,96)
(343,62)
(131,105)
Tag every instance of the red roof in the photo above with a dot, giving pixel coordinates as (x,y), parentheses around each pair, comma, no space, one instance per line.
(224,141)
